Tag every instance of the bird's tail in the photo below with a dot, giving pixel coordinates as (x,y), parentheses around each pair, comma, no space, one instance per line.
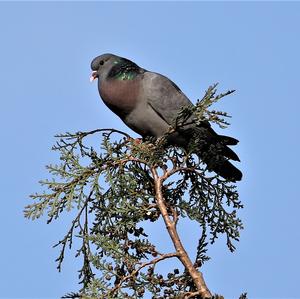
(214,151)
(227,171)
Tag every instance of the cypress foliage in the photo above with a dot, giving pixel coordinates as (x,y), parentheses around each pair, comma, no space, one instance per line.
(119,186)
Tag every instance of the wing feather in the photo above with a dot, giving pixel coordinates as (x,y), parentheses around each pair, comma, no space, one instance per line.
(164,96)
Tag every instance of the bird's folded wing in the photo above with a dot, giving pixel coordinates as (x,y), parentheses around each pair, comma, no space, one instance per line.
(163,96)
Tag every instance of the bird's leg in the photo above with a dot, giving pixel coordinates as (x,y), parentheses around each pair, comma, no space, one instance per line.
(135,140)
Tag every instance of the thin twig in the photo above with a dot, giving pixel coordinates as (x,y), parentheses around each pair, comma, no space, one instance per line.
(69,235)
(143,265)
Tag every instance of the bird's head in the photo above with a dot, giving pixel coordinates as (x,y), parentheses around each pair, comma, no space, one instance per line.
(101,65)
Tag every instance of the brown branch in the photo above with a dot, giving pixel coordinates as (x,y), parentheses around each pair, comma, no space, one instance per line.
(191,295)
(143,265)
(81,135)
(197,276)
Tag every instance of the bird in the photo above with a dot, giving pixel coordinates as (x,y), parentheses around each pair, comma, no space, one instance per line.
(148,102)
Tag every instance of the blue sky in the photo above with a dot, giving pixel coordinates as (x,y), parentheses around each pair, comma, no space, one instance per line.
(253,47)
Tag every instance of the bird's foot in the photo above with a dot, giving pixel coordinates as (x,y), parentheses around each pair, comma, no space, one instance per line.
(135,140)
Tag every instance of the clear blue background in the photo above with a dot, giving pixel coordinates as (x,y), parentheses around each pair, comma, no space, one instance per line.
(46,49)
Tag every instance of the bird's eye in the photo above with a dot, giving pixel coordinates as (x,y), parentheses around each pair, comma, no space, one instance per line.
(101,62)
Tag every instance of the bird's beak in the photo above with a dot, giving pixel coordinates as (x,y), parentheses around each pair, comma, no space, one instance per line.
(93,76)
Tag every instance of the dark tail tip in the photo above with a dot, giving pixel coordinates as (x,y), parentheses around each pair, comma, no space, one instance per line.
(228,171)
(228,140)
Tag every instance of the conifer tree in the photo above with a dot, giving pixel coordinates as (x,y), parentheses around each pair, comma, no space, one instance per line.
(118,186)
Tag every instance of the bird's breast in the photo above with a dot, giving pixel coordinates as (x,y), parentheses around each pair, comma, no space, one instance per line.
(120,96)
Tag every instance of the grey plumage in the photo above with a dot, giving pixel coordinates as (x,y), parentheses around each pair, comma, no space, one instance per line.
(148,102)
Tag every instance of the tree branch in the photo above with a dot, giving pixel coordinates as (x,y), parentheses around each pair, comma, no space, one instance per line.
(197,276)
(143,265)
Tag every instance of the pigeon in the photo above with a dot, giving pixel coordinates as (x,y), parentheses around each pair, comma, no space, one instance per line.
(148,102)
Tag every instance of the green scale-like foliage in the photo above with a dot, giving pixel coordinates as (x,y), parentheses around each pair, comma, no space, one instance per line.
(113,190)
